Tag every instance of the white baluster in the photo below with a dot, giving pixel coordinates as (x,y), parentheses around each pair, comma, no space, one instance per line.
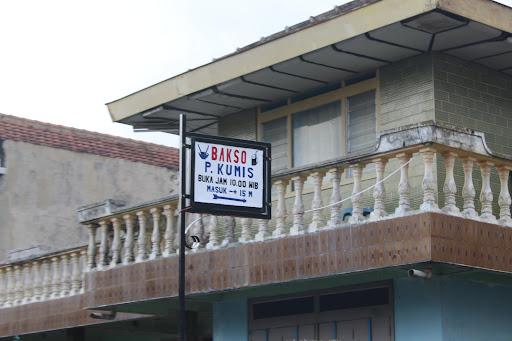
(18,282)
(199,232)
(169,230)
(37,280)
(404,201)
(229,228)
(141,240)
(65,286)
(468,190)
(379,191)
(9,287)
(281,208)
(47,279)
(335,219)
(83,266)
(103,258)
(429,185)
(262,230)
(3,288)
(75,273)
(91,247)
(116,242)
(486,196)
(357,210)
(246,230)
(450,187)
(155,235)
(298,206)
(177,238)
(27,283)
(316,220)
(56,274)
(213,241)
(504,200)
(129,222)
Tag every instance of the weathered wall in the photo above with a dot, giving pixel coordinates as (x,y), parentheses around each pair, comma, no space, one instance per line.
(43,188)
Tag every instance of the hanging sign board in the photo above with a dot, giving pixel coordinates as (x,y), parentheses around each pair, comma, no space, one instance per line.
(229,177)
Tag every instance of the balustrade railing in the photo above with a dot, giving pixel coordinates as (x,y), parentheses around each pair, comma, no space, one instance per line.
(43,278)
(352,190)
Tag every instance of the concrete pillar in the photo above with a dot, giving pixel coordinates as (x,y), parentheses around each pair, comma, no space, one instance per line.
(418,314)
(230,320)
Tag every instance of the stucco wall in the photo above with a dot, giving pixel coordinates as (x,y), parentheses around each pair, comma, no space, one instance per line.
(44,186)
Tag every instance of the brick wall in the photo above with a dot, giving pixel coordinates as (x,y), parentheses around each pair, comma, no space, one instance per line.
(406,93)
(473,96)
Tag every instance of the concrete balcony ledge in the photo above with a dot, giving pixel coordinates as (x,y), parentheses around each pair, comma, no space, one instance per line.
(408,240)
(391,243)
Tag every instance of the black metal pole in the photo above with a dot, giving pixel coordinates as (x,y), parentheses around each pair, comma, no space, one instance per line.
(183,189)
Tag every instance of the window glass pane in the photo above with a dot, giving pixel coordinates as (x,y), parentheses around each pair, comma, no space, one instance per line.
(274,132)
(316,134)
(361,122)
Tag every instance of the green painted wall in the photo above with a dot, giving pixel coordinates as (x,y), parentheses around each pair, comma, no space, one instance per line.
(230,320)
(449,309)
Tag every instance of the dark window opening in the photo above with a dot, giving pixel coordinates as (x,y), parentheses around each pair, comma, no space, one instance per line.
(295,306)
(354,299)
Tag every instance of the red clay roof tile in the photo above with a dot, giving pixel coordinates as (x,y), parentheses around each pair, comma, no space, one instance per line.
(84,141)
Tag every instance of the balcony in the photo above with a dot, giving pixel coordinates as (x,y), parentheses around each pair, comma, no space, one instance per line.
(371,211)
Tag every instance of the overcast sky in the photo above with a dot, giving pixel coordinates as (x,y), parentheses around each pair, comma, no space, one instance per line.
(62,60)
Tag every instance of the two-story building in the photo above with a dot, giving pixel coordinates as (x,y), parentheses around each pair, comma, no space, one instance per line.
(391,155)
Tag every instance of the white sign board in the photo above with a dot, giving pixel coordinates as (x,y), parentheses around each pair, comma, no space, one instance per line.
(229,174)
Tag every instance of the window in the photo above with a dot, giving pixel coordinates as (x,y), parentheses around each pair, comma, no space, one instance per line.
(274,132)
(349,315)
(320,128)
(316,134)
(361,122)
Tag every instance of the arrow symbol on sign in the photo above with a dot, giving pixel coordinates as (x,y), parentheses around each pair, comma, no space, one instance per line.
(215,196)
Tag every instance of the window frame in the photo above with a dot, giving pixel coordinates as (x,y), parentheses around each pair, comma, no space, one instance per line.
(341,94)
(321,317)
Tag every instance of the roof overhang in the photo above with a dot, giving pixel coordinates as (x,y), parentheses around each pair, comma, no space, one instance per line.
(346,42)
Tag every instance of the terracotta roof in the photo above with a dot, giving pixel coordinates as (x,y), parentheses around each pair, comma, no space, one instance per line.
(84,141)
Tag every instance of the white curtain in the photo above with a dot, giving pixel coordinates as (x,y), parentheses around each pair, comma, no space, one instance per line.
(317,134)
